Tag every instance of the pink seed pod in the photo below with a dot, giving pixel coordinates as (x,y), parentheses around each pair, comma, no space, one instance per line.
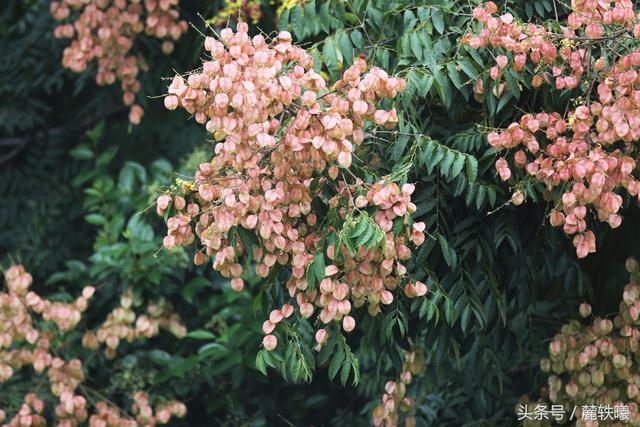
(88,292)
(386,297)
(276,316)
(269,342)
(287,310)
(348,323)
(421,289)
(268,327)
(321,336)
(306,310)
(517,198)
(585,310)
(572,389)
(237,284)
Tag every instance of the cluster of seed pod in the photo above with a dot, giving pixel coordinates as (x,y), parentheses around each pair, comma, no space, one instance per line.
(597,364)
(27,341)
(123,323)
(591,152)
(104,31)
(278,127)
(394,399)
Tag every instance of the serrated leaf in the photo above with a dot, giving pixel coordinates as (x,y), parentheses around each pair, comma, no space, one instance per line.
(427,150)
(446,249)
(319,265)
(446,163)
(361,226)
(458,164)
(330,53)
(399,147)
(472,168)
(443,86)
(311,276)
(409,20)
(344,43)
(480,196)
(512,82)
(297,21)
(468,68)
(437,156)
(335,364)
(438,20)
(260,363)
(454,75)
(449,311)
(366,236)
(357,38)
(346,370)
(416,45)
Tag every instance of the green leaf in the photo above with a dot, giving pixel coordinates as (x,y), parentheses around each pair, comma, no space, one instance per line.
(480,196)
(454,75)
(436,158)
(409,20)
(416,45)
(311,276)
(96,219)
(357,38)
(81,153)
(260,363)
(458,165)
(443,86)
(472,168)
(469,69)
(160,356)
(368,234)
(399,147)
(446,250)
(330,53)
(249,240)
(335,364)
(361,226)
(346,370)
(427,150)
(446,163)
(344,43)
(201,334)
(512,82)
(438,20)
(297,22)
(213,351)
(319,265)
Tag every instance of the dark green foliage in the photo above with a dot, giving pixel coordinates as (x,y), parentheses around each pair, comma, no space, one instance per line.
(76,208)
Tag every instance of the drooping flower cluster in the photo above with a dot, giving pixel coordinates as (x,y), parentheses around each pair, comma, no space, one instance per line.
(104,31)
(284,140)
(123,323)
(24,341)
(597,364)
(586,157)
(394,399)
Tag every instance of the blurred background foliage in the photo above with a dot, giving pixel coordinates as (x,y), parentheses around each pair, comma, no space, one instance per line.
(77,184)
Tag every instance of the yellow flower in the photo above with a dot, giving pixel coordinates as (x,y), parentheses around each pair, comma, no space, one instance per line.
(186,185)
